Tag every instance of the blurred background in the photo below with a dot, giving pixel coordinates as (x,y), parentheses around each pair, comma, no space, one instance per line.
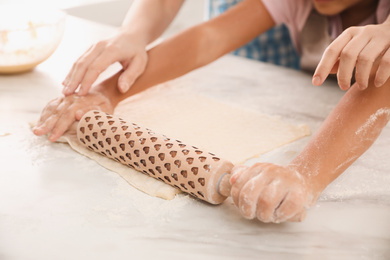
(30,31)
(112,12)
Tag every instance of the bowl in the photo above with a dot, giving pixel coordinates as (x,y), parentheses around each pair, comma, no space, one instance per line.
(28,36)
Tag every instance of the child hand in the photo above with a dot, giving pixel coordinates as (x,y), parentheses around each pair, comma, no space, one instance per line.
(59,114)
(357,47)
(123,48)
(270,193)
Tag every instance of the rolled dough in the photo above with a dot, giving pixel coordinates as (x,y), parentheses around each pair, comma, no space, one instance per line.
(231,132)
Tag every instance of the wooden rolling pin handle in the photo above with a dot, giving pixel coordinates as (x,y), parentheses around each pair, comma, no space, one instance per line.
(223,185)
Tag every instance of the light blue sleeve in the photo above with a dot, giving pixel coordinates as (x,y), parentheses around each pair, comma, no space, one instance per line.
(274,46)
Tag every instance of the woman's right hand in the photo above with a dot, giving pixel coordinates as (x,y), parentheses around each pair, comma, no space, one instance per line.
(59,114)
(126,49)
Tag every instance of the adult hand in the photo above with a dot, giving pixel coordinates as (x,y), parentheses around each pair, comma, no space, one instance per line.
(126,49)
(270,193)
(357,48)
(59,114)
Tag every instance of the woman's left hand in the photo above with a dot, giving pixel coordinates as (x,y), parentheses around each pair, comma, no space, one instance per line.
(357,48)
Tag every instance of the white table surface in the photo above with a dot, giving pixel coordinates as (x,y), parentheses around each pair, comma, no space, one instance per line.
(57,204)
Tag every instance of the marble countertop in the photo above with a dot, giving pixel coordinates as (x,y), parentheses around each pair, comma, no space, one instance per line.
(57,204)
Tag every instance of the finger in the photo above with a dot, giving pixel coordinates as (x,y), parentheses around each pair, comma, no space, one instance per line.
(49,109)
(66,119)
(249,195)
(67,79)
(383,72)
(82,111)
(132,72)
(330,57)
(366,60)
(93,71)
(291,205)
(299,217)
(53,116)
(335,67)
(348,59)
(242,179)
(52,113)
(61,126)
(236,172)
(80,67)
(269,200)
(47,126)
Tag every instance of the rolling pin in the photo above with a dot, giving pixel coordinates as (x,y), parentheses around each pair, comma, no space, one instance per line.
(199,173)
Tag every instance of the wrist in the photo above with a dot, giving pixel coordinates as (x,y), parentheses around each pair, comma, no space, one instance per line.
(312,180)
(130,34)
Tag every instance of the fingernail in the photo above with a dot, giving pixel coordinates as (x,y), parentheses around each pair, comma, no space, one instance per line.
(65,90)
(343,87)
(316,80)
(125,87)
(361,87)
(52,138)
(79,114)
(378,84)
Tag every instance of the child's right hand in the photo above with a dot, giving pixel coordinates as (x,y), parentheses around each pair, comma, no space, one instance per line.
(126,49)
(271,193)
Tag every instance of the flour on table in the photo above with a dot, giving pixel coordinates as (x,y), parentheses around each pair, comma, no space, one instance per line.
(231,132)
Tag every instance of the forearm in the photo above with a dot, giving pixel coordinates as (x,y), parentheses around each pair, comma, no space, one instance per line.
(198,46)
(168,60)
(349,130)
(148,19)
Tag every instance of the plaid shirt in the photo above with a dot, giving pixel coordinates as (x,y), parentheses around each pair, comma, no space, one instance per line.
(274,46)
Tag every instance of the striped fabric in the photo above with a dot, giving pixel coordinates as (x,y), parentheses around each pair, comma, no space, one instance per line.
(274,46)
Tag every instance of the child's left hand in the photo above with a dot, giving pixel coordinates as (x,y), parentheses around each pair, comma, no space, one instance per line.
(271,193)
(357,47)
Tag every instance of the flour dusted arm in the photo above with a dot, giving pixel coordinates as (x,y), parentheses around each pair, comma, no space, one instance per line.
(274,193)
